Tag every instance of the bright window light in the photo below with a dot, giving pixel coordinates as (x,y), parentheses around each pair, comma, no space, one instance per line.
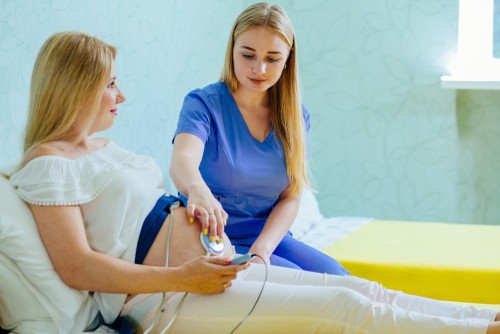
(474,60)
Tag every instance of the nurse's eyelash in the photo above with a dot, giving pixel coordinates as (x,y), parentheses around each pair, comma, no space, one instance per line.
(247,56)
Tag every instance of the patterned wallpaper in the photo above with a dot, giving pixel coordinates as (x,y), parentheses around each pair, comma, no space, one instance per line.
(386,141)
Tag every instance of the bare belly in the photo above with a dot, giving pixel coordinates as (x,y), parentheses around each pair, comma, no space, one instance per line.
(184,244)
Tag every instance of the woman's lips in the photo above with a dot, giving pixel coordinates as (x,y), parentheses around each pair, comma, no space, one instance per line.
(257,81)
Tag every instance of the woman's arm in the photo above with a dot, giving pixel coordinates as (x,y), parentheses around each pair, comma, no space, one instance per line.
(277,225)
(62,231)
(184,171)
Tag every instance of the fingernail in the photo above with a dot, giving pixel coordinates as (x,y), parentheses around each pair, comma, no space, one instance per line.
(205,231)
(212,238)
(191,220)
(225,222)
(219,241)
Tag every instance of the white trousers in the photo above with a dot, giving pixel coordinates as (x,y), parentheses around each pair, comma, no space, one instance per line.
(304,302)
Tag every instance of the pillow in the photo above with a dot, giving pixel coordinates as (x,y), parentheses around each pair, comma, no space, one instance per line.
(45,297)
(18,302)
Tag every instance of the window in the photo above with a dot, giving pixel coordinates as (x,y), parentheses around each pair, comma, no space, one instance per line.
(477,63)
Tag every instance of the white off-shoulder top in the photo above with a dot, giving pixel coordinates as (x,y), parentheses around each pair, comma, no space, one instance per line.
(115,189)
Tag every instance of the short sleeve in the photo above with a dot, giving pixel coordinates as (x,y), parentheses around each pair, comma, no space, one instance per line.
(194,117)
(51,180)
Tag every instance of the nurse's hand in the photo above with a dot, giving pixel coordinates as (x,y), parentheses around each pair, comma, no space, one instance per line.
(264,255)
(203,207)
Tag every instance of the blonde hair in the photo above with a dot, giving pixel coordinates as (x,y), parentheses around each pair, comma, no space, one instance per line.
(70,74)
(284,97)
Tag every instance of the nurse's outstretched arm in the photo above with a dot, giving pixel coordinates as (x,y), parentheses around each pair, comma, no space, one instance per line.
(184,171)
(277,225)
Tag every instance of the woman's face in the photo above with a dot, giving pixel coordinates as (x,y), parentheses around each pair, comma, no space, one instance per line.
(108,109)
(259,56)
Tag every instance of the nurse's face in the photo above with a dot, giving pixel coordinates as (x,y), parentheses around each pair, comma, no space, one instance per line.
(259,56)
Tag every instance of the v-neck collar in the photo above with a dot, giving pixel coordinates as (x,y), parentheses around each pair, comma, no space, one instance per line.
(242,119)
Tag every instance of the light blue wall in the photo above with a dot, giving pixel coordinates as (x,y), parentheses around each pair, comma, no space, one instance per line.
(387,141)
(165,49)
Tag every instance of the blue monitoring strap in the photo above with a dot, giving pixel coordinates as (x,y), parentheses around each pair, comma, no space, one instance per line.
(153,223)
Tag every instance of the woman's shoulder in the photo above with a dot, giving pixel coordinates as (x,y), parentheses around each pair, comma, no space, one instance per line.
(210,91)
(57,160)
(65,149)
(206,102)
(46,149)
(55,177)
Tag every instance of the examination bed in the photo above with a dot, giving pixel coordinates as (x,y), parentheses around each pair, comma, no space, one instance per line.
(454,262)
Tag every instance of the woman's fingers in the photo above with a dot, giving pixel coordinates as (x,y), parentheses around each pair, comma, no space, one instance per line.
(212,217)
(212,223)
(211,275)
(217,225)
(191,212)
(221,220)
(195,213)
(225,216)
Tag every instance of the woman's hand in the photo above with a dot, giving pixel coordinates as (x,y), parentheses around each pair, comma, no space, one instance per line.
(205,208)
(277,225)
(264,255)
(208,275)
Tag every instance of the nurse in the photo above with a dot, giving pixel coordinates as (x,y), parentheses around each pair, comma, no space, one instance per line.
(239,151)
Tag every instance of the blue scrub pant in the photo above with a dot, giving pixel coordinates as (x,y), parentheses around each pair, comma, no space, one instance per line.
(292,253)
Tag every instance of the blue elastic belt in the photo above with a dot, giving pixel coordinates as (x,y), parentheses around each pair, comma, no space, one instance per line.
(152,225)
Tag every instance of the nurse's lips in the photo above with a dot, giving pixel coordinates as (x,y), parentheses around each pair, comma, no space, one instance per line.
(114,111)
(257,81)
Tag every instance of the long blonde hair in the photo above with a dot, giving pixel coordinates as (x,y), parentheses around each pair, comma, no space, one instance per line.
(284,97)
(70,74)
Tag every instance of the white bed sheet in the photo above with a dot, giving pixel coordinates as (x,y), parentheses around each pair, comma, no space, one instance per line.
(328,230)
(312,228)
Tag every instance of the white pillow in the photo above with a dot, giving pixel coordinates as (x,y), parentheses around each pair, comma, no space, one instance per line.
(45,297)
(19,306)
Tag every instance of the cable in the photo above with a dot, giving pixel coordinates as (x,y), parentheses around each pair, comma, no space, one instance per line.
(177,310)
(158,312)
(156,317)
(258,297)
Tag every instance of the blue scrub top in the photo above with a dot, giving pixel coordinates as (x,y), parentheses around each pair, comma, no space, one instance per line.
(245,175)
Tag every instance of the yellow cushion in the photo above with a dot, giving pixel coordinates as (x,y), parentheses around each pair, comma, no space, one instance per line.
(444,261)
